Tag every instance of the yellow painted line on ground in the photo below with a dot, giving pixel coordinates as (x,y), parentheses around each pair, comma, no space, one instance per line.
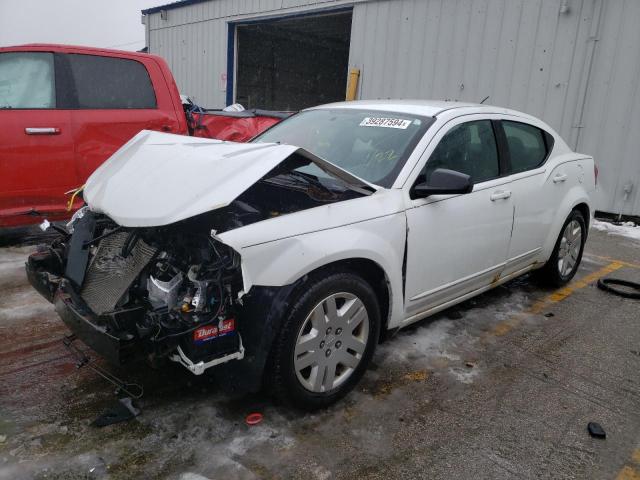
(629,472)
(609,259)
(538,306)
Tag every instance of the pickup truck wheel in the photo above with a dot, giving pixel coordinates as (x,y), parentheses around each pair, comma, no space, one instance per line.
(567,254)
(326,342)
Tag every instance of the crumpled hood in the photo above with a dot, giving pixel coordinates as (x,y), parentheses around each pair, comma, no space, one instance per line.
(159,178)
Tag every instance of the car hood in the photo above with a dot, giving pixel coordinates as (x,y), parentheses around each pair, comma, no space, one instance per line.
(157,178)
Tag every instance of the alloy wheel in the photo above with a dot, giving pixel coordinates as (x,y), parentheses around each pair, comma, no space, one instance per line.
(570,246)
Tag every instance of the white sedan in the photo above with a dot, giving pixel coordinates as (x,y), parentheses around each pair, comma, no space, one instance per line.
(286,259)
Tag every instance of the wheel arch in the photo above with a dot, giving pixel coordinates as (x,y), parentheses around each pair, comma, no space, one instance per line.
(372,272)
(583,208)
(576,199)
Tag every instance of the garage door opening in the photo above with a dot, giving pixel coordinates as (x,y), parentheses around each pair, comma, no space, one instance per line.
(293,63)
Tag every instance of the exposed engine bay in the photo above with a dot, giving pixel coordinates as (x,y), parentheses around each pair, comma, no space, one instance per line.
(172,291)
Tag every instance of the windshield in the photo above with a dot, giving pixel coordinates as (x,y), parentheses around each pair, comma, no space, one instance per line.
(372,145)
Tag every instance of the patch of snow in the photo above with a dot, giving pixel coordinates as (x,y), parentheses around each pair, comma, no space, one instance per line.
(626,229)
(192,476)
(464,376)
(425,341)
(13,258)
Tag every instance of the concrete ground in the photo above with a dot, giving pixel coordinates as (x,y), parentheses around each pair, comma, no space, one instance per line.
(502,386)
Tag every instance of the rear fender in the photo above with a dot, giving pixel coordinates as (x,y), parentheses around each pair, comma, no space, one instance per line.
(575,196)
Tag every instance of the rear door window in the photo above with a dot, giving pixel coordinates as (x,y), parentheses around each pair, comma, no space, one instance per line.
(27,80)
(468,148)
(110,83)
(528,145)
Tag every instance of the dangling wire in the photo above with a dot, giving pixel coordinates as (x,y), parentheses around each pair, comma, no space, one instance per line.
(74,194)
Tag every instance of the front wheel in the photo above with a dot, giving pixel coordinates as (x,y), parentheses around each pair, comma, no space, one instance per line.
(326,342)
(567,254)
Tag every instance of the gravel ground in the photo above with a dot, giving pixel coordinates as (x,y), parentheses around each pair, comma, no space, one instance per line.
(502,386)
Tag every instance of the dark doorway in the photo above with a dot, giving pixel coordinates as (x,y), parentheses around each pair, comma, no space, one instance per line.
(293,63)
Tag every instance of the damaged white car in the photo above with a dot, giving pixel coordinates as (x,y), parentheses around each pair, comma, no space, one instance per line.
(287,258)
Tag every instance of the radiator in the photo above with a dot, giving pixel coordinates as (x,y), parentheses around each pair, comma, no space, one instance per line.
(109,274)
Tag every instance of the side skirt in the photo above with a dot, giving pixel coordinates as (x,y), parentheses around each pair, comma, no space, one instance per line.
(433,310)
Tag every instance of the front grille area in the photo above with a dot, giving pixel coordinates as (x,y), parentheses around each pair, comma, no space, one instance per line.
(109,274)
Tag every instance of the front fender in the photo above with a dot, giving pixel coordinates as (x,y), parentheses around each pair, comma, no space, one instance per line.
(283,262)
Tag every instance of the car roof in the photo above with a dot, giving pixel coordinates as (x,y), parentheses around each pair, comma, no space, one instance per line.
(60,48)
(429,108)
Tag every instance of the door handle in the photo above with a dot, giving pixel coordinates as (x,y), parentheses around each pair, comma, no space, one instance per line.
(500,195)
(42,130)
(561,177)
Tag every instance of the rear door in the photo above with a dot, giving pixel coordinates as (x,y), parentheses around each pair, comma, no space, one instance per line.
(36,141)
(113,98)
(538,188)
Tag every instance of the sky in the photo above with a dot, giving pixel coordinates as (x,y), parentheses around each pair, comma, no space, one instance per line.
(94,23)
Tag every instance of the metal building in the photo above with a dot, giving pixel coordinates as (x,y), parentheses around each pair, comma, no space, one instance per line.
(574,63)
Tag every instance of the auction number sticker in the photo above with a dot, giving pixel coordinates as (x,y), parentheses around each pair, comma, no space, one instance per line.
(385,122)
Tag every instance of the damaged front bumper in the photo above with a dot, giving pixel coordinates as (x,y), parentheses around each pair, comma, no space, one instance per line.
(115,349)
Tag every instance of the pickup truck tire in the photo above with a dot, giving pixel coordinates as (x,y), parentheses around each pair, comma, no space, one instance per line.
(326,341)
(567,253)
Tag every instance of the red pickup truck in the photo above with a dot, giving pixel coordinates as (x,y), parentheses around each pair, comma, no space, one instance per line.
(64,110)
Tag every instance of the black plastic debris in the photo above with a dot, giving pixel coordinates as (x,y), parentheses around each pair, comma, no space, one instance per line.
(122,411)
(596,430)
(549,314)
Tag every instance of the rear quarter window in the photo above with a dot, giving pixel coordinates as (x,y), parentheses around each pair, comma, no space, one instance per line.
(529,146)
(109,83)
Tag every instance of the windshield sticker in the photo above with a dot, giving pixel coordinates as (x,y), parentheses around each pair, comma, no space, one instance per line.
(385,122)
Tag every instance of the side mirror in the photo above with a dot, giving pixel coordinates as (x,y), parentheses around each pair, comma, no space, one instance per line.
(443,182)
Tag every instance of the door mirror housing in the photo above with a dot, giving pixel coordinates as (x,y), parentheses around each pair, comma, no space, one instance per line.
(443,182)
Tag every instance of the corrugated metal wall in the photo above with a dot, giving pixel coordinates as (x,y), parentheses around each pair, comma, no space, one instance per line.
(574,63)
(523,54)
(611,123)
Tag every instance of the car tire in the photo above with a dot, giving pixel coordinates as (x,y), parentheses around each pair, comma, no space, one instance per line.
(567,253)
(321,353)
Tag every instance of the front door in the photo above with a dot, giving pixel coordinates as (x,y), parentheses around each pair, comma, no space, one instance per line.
(458,243)
(37,162)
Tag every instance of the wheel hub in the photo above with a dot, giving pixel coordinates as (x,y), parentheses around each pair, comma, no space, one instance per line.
(331,342)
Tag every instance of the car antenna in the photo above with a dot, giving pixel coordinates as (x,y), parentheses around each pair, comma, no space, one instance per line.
(484,99)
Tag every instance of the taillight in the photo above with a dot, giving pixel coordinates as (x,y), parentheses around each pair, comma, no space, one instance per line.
(595,172)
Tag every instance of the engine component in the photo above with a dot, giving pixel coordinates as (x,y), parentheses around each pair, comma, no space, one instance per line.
(163,294)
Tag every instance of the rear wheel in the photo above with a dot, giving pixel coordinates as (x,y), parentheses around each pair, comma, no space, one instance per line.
(567,254)
(327,341)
